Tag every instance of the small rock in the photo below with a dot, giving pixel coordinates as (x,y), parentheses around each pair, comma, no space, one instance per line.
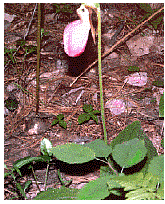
(116,106)
(137,79)
(8,17)
(140,45)
(11,87)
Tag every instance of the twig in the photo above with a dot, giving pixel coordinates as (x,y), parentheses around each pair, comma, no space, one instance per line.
(117,43)
(30,22)
(38,57)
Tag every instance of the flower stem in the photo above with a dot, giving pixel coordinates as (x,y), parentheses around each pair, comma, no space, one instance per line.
(100,75)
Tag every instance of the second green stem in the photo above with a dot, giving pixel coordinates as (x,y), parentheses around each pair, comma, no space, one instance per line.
(100,75)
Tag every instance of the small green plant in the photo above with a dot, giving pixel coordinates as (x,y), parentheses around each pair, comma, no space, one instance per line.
(133,69)
(60,120)
(10,54)
(62,8)
(158,83)
(26,49)
(43,33)
(17,170)
(89,113)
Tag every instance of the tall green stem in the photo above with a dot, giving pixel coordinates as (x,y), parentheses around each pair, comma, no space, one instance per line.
(100,75)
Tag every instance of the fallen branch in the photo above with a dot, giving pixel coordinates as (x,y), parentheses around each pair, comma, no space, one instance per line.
(117,43)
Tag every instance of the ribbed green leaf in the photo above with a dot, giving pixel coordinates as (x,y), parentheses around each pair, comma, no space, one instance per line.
(26,160)
(140,194)
(129,153)
(129,182)
(156,167)
(73,153)
(100,148)
(132,131)
(58,194)
(97,189)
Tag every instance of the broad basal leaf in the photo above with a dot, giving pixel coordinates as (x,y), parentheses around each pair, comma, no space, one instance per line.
(129,153)
(58,194)
(132,131)
(100,148)
(73,153)
(96,190)
(26,160)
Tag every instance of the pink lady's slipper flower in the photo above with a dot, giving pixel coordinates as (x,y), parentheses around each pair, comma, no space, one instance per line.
(76,33)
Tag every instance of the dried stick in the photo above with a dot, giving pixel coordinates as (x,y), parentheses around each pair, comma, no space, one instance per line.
(117,43)
(38,57)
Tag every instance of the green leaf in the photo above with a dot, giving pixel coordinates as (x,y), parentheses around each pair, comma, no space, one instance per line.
(45,146)
(87,108)
(96,190)
(105,171)
(129,153)
(146,7)
(129,182)
(27,184)
(132,131)
(100,148)
(58,194)
(161,106)
(94,117)
(84,117)
(73,153)
(156,167)
(60,116)
(140,194)
(21,190)
(63,124)
(150,182)
(26,160)
(55,122)
(133,69)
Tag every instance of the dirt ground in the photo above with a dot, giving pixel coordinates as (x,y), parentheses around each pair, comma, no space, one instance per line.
(22,139)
